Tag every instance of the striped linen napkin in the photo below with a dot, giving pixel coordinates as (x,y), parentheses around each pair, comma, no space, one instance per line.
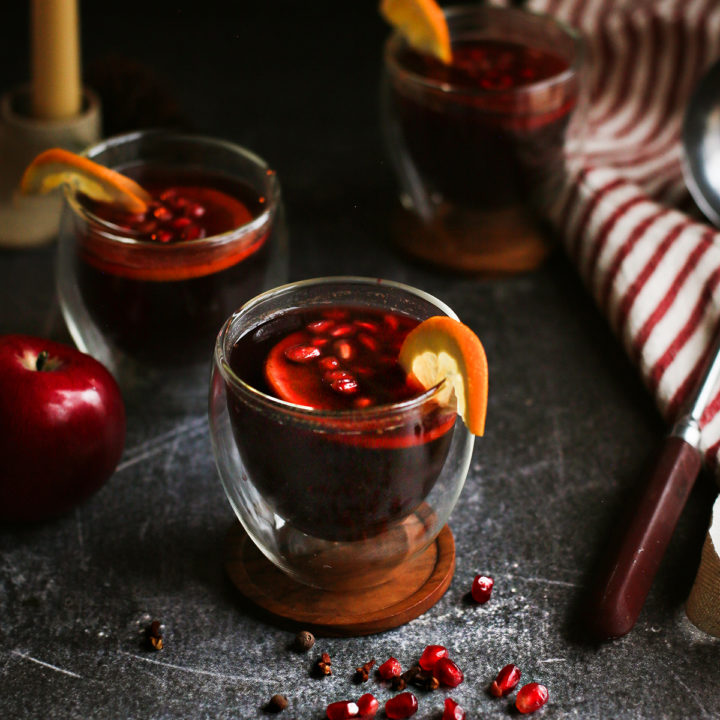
(650,261)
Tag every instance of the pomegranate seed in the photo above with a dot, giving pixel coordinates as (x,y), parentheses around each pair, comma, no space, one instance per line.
(163,236)
(320,326)
(447,672)
(389,669)
(301,353)
(371,327)
(179,202)
(342,330)
(505,681)
(401,706)
(431,654)
(342,710)
(452,711)
(192,232)
(482,588)
(345,386)
(319,341)
(328,362)
(147,227)
(162,214)
(369,342)
(168,195)
(180,223)
(531,697)
(195,210)
(391,321)
(345,349)
(368,706)
(362,402)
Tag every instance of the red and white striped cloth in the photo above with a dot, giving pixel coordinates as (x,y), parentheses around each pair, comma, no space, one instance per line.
(650,261)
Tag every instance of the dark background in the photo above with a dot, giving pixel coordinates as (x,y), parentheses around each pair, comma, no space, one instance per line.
(569,426)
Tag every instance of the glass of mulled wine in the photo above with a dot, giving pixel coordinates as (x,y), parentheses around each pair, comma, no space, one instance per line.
(150,290)
(477,144)
(339,467)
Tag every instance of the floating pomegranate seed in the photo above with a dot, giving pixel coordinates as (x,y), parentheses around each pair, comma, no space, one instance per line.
(506,681)
(320,326)
(168,195)
(391,321)
(482,588)
(447,672)
(401,706)
(389,669)
(345,349)
(328,362)
(163,236)
(192,232)
(195,210)
(147,227)
(367,325)
(301,353)
(179,202)
(342,330)
(342,710)
(369,342)
(180,223)
(345,386)
(162,214)
(367,706)
(319,341)
(431,654)
(531,697)
(452,711)
(362,402)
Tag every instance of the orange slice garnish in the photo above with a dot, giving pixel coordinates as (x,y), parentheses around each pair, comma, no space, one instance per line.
(422,23)
(56,167)
(441,348)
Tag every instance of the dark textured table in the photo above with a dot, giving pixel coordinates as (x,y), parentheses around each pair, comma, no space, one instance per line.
(569,429)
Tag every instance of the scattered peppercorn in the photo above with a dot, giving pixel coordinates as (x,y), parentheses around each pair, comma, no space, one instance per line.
(277,703)
(362,673)
(304,640)
(153,633)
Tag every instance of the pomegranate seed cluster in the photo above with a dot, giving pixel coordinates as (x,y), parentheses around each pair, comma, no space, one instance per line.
(171,218)
(356,359)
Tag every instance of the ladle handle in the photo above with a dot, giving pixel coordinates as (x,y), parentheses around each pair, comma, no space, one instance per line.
(631,567)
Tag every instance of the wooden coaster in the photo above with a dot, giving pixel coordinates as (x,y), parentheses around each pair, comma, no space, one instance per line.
(411,589)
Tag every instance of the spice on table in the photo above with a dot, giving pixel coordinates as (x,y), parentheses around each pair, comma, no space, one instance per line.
(277,703)
(153,632)
(425,680)
(322,666)
(304,640)
(401,681)
(362,673)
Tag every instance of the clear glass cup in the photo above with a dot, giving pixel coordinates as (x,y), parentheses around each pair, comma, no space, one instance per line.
(476,153)
(147,309)
(335,498)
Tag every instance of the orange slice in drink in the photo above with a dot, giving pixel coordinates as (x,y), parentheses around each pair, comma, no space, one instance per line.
(441,348)
(56,167)
(422,23)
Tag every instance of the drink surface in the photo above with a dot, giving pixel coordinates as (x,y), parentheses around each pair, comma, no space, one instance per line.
(329,358)
(487,64)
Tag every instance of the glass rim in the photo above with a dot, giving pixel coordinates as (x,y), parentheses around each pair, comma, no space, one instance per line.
(396,42)
(221,363)
(114,233)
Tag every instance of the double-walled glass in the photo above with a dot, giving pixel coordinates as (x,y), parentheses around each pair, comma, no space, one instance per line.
(141,306)
(477,147)
(335,498)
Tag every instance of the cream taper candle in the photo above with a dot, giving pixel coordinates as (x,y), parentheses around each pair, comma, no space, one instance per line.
(55,59)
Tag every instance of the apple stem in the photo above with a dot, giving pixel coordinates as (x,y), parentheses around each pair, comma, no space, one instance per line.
(41,360)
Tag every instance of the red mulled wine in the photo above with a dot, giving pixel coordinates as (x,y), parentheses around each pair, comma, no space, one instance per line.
(484,143)
(157,293)
(354,469)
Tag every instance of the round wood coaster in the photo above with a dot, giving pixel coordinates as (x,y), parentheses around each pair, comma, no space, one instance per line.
(411,589)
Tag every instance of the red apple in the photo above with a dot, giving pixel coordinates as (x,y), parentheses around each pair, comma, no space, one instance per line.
(62,427)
